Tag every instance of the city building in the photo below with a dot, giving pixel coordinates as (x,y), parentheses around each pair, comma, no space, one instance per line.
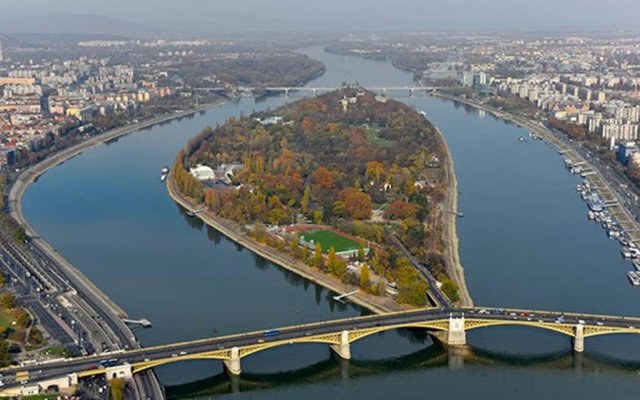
(625,151)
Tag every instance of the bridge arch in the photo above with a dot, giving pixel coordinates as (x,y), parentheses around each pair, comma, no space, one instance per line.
(590,332)
(333,338)
(144,365)
(565,329)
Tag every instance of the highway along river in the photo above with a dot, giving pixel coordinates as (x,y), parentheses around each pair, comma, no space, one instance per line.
(525,241)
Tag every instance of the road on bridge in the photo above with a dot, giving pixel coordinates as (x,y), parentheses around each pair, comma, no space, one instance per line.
(187,350)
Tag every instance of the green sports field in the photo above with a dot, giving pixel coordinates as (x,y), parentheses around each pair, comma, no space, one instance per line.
(328,239)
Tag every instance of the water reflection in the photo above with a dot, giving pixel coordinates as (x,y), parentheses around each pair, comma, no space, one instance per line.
(333,369)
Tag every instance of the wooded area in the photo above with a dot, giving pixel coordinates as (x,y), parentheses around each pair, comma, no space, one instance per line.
(333,160)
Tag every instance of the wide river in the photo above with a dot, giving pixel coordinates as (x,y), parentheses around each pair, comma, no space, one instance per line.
(525,241)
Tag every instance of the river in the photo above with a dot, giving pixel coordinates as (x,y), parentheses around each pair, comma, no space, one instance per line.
(525,241)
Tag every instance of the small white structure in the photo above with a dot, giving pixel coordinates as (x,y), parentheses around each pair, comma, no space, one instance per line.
(202,172)
(271,120)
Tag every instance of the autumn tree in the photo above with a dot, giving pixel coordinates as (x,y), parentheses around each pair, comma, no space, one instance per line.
(365,280)
(5,356)
(375,171)
(400,209)
(317,256)
(7,300)
(340,269)
(323,179)
(361,254)
(331,260)
(358,205)
(317,217)
(306,198)
(294,245)
(412,289)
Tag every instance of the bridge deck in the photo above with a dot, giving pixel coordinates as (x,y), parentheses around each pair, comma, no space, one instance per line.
(328,332)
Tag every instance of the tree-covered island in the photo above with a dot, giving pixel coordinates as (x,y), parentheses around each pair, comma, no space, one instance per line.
(330,180)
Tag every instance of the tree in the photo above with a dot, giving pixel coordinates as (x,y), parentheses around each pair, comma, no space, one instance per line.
(375,171)
(7,300)
(339,209)
(317,217)
(22,318)
(5,356)
(412,289)
(357,204)
(307,125)
(400,209)
(365,280)
(294,245)
(306,198)
(277,216)
(341,268)
(317,256)
(331,260)
(323,178)
(451,290)
(361,255)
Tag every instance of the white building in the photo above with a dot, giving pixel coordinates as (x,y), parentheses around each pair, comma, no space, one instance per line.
(620,131)
(202,172)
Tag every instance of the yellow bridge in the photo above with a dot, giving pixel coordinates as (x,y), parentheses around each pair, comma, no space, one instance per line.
(448,326)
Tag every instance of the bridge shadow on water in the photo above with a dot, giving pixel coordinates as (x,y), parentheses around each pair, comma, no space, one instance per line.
(434,356)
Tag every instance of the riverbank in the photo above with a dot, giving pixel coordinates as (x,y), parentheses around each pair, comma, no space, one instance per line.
(455,270)
(29,175)
(234,232)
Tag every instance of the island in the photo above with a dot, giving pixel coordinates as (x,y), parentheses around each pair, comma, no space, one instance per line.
(331,187)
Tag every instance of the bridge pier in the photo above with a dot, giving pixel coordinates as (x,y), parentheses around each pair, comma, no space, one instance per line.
(343,349)
(233,363)
(578,340)
(123,371)
(456,335)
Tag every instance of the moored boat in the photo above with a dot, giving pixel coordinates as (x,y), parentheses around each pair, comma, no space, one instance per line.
(634,277)
(594,202)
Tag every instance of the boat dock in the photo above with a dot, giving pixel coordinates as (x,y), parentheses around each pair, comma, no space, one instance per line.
(342,296)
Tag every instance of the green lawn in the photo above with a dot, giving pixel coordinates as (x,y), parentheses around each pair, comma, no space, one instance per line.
(328,239)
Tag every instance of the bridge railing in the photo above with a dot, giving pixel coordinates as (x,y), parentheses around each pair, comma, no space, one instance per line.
(554,313)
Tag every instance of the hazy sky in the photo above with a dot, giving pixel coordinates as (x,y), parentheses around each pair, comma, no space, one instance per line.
(347,15)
